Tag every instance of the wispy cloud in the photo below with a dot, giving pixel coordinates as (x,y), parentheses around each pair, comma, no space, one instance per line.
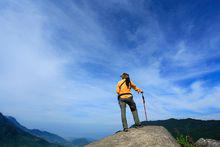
(61,61)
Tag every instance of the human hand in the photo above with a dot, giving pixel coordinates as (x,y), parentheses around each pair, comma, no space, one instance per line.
(140,91)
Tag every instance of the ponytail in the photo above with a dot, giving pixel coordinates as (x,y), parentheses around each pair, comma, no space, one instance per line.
(128,82)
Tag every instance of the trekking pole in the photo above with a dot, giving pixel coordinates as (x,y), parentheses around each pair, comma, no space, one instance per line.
(145,111)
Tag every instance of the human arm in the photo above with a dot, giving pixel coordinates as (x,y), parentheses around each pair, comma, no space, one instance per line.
(135,87)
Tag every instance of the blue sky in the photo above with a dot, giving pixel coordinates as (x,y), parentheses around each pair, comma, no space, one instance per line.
(61,60)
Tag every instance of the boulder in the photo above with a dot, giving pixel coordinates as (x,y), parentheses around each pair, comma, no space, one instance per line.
(207,143)
(148,136)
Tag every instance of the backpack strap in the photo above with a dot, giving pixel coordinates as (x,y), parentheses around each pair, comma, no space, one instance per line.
(121,84)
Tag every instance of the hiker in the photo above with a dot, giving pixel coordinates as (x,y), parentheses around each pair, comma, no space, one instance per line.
(125,97)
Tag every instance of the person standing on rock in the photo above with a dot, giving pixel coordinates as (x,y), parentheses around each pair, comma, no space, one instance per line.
(125,97)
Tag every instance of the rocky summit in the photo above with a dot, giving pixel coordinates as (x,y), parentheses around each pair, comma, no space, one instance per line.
(148,136)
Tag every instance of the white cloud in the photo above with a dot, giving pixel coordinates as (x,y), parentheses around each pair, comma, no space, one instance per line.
(42,53)
(34,81)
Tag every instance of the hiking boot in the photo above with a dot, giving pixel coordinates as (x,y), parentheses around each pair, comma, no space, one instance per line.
(139,126)
(118,131)
(125,129)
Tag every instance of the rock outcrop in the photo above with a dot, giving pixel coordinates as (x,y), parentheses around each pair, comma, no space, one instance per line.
(148,136)
(207,143)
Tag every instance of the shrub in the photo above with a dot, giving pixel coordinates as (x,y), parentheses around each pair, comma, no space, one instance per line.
(183,141)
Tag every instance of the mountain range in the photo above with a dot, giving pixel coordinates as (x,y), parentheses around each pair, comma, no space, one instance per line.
(12,133)
(193,128)
(50,137)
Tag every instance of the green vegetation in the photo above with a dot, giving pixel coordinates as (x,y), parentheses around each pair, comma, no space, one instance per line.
(184,141)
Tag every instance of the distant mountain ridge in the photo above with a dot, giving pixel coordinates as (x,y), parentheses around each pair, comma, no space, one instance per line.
(50,137)
(81,141)
(12,131)
(10,135)
(192,127)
